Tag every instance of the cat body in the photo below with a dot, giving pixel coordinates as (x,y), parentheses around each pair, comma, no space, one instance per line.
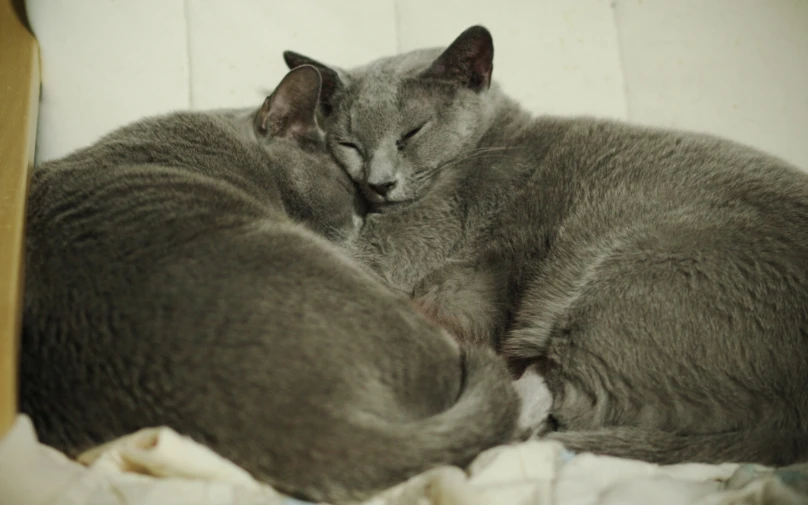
(660,276)
(177,275)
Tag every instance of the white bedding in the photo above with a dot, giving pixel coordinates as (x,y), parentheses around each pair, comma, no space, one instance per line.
(159,467)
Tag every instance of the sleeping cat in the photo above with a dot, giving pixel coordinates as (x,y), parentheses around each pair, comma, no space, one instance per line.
(176,276)
(659,277)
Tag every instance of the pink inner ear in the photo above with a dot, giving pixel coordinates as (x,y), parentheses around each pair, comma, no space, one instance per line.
(301,125)
(467,61)
(482,62)
(284,119)
(482,74)
(290,109)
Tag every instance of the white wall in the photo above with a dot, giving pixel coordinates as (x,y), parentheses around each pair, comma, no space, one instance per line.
(738,68)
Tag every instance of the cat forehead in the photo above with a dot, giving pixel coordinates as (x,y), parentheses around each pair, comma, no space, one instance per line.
(379,108)
(381,100)
(379,92)
(384,81)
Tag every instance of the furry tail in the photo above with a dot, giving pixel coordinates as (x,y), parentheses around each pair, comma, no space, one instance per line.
(772,448)
(484,415)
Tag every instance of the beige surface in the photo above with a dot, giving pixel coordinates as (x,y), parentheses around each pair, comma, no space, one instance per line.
(19,100)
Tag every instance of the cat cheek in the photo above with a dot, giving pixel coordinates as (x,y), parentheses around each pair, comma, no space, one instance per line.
(355,171)
(351,163)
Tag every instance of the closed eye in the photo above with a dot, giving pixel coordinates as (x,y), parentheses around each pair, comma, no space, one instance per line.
(400,142)
(411,133)
(349,145)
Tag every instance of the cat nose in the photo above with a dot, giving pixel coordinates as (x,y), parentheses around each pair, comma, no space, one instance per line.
(382,188)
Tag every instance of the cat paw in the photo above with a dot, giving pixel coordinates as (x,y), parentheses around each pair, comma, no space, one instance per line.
(537,401)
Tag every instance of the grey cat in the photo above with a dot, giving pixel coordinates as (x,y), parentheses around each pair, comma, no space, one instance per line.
(176,275)
(660,277)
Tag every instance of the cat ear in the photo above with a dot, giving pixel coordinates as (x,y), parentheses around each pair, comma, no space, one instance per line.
(290,110)
(330,77)
(468,61)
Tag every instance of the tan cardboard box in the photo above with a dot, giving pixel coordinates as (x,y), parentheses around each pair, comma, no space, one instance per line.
(19,105)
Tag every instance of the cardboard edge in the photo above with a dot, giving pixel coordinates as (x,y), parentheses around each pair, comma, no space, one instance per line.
(19,108)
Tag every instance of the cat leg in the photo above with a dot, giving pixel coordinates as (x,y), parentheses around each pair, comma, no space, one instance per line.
(466,300)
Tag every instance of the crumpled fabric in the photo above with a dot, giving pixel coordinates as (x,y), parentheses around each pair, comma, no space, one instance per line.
(158,466)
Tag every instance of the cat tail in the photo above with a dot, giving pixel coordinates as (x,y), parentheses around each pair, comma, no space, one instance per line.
(387,451)
(484,415)
(772,448)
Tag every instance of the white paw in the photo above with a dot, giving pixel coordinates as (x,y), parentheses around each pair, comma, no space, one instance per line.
(536,398)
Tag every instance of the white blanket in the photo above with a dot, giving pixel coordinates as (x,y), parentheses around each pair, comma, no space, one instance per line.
(157,466)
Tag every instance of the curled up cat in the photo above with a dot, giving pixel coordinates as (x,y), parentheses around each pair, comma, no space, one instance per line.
(660,277)
(183,271)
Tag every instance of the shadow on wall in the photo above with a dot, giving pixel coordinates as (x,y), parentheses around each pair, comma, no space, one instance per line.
(22,15)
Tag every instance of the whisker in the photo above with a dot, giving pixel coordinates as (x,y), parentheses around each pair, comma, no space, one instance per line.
(480,153)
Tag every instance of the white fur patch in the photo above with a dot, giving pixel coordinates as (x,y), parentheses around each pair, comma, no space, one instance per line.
(536,398)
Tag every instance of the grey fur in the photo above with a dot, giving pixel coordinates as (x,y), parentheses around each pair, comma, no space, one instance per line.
(172,280)
(660,276)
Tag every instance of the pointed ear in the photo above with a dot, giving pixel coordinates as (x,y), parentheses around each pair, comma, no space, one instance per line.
(290,110)
(330,77)
(468,61)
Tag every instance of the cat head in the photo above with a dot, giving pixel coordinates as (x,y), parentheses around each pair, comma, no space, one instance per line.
(314,189)
(397,124)
(274,153)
